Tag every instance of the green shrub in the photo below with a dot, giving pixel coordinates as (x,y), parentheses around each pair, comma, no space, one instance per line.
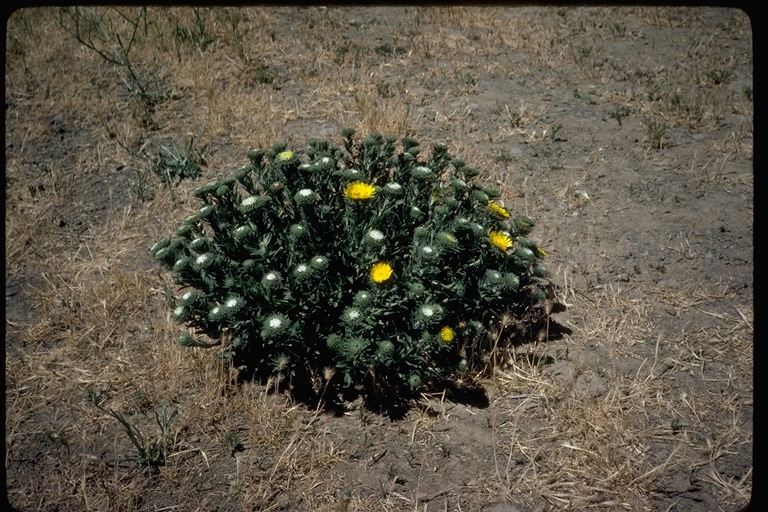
(372,260)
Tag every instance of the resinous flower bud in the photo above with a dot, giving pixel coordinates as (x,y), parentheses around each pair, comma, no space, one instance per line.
(511,282)
(233,304)
(274,325)
(205,211)
(362,299)
(181,313)
(202,261)
(352,174)
(524,253)
(298,230)
(305,196)
(270,279)
(253,203)
(416,213)
(385,350)
(186,340)
(423,173)
(302,271)
(352,316)
(181,264)
(427,252)
(429,313)
(374,237)
(198,244)
(185,231)
(208,188)
(165,242)
(319,263)
(448,241)
(217,313)
(241,232)
(480,196)
(189,297)
(255,155)
(393,189)
(459,185)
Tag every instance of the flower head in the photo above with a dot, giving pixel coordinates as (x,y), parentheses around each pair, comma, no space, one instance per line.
(393,188)
(297,230)
(430,313)
(498,210)
(381,272)
(360,191)
(422,172)
(202,261)
(305,196)
(188,297)
(427,252)
(362,299)
(374,236)
(501,240)
(448,241)
(285,155)
(274,325)
(446,334)
(216,313)
(271,278)
(242,231)
(302,271)
(351,173)
(253,203)
(181,313)
(352,316)
(319,262)
(180,264)
(234,303)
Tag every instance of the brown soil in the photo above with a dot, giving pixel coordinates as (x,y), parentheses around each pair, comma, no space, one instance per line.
(626,134)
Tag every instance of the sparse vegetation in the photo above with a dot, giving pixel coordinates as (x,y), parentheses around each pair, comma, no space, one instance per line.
(638,397)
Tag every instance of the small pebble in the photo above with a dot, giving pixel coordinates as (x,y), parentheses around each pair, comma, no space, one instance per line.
(669,309)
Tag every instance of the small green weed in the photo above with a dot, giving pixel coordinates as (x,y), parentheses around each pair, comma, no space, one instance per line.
(151,452)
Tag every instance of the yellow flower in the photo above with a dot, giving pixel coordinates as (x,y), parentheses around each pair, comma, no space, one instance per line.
(381,272)
(541,252)
(446,334)
(285,155)
(359,190)
(499,210)
(501,240)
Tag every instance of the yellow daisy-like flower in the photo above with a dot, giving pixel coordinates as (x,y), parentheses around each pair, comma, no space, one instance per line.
(285,155)
(446,334)
(381,272)
(359,191)
(498,210)
(501,240)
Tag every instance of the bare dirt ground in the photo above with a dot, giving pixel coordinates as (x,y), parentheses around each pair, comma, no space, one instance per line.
(625,133)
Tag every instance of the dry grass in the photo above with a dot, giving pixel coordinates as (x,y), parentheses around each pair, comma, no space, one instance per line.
(609,417)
